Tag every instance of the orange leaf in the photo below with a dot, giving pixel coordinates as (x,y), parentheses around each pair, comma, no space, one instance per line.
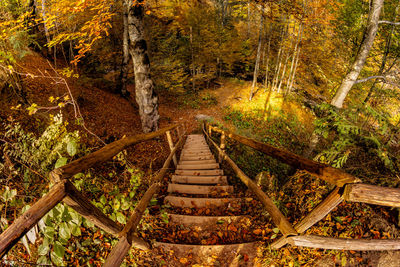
(257,231)
(183,260)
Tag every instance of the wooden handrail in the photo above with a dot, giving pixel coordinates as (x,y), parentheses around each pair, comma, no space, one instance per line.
(277,217)
(103,154)
(31,217)
(120,250)
(372,194)
(322,171)
(324,242)
(65,191)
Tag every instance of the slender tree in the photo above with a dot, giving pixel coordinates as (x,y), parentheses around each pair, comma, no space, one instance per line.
(352,75)
(257,65)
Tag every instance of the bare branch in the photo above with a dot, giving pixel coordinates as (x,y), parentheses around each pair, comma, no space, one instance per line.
(389,22)
(370,78)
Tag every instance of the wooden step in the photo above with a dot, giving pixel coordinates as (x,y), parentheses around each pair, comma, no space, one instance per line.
(199,189)
(189,202)
(196,148)
(200,172)
(196,157)
(192,154)
(189,150)
(203,151)
(232,255)
(207,222)
(209,166)
(187,179)
(196,162)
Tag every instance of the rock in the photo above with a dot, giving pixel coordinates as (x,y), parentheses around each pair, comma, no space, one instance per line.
(202,117)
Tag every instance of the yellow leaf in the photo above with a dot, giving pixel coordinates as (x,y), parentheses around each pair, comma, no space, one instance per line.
(148,12)
(183,260)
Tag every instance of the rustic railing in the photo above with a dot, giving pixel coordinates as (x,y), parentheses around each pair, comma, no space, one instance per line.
(347,188)
(63,190)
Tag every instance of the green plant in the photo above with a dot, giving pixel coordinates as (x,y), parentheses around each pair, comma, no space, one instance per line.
(355,129)
(43,153)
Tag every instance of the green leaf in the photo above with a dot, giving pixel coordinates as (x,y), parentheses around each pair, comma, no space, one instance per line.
(65,216)
(59,249)
(275,230)
(44,248)
(49,232)
(43,260)
(60,162)
(64,231)
(125,204)
(71,148)
(56,259)
(121,218)
(117,204)
(103,200)
(76,230)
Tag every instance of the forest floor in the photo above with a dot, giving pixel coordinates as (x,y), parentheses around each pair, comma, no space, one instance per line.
(110,117)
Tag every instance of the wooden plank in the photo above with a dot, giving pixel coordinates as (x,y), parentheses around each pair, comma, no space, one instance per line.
(187,179)
(103,154)
(31,217)
(276,215)
(323,242)
(201,157)
(171,146)
(190,202)
(209,222)
(200,172)
(372,194)
(199,189)
(317,214)
(204,166)
(196,162)
(322,171)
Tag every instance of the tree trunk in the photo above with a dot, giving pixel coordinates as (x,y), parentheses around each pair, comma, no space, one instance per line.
(123,77)
(46,30)
(144,87)
(257,65)
(351,77)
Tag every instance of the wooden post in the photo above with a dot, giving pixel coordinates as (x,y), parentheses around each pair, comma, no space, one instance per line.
(171,146)
(276,215)
(222,146)
(31,217)
(178,130)
(317,214)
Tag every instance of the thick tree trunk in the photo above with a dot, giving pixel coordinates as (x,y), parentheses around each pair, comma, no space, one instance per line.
(144,86)
(257,65)
(123,77)
(351,77)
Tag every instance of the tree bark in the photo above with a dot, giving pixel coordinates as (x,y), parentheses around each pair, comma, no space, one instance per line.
(123,77)
(144,87)
(352,75)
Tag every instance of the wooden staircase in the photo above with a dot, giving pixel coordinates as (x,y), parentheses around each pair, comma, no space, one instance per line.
(199,183)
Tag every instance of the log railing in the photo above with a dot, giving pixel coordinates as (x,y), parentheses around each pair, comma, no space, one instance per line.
(347,188)
(63,190)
